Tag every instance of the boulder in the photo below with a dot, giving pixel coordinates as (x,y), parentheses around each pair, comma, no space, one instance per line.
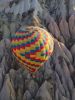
(2,47)
(67,52)
(53,28)
(71,7)
(7,92)
(27,96)
(73,50)
(43,93)
(64,28)
(72,26)
(73,94)
(33,88)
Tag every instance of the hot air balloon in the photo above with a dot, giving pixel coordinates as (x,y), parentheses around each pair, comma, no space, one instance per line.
(32,47)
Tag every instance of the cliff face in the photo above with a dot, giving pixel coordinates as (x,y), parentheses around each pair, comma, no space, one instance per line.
(57,76)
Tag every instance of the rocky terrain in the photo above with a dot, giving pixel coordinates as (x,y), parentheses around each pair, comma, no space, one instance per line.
(57,81)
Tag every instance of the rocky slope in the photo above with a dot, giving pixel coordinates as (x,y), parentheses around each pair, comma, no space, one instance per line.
(57,81)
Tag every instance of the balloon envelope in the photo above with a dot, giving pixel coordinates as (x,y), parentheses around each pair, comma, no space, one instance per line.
(32,47)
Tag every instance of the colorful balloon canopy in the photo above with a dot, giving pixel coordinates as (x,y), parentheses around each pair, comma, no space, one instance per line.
(32,47)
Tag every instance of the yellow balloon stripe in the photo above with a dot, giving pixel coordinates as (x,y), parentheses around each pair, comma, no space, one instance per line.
(27,60)
(27,66)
